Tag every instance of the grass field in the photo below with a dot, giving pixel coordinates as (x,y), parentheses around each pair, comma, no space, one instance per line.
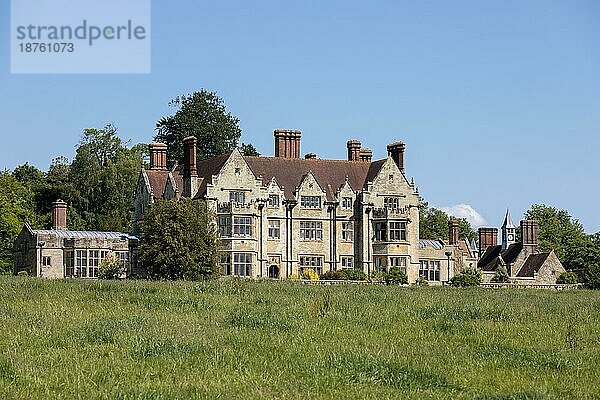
(243,339)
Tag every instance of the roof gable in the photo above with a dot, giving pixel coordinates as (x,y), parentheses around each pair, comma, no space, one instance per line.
(290,172)
(532,265)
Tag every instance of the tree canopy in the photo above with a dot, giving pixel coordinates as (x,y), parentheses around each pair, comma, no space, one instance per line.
(180,241)
(560,232)
(433,224)
(202,114)
(16,208)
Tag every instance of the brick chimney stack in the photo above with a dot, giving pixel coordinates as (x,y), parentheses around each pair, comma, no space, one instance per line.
(453,227)
(529,235)
(396,151)
(190,171)
(366,155)
(487,237)
(353,147)
(158,156)
(59,215)
(287,143)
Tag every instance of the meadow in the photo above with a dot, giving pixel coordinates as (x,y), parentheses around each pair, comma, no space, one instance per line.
(287,340)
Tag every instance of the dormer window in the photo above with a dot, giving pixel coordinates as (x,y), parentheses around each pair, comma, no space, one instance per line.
(237,197)
(310,201)
(273,200)
(347,202)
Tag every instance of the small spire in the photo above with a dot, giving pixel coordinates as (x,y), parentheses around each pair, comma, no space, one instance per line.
(507,220)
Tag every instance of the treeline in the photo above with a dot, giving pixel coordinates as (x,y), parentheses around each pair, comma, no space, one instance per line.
(97,185)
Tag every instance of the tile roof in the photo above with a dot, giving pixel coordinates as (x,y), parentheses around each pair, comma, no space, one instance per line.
(206,169)
(330,174)
(487,262)
(157,179)
(510,255)
(289,172)
(532,265)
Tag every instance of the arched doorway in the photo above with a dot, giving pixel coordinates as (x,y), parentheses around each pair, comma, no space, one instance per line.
(274,271)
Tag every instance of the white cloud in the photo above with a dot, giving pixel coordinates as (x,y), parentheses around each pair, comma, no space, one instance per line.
(467,212)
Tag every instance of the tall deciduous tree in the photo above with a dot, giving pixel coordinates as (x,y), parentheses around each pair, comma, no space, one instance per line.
(203,115)
(179,241)
(560,232)
(104,172)
(16,208)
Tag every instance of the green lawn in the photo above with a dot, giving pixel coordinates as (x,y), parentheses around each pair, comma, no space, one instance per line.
(243,339)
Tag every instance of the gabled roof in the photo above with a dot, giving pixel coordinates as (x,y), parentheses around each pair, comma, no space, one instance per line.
(487,262)
(206,169)
(532,265)
(157,180)
(330,174)
(288,172)
(510,255)
(489,258)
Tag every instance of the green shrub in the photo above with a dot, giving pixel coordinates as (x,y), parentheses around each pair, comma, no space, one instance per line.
(422,282)
(469,277)
(111,267)
(354,275)
(396,277)
(592,277)
(22,273)
(567,278)
(333,275)
(500,276)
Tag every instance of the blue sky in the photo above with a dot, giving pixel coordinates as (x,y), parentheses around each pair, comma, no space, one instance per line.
(498,101)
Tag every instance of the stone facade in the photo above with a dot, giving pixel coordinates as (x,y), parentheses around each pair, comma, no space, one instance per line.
(523,261)
(60,253)
(278,216)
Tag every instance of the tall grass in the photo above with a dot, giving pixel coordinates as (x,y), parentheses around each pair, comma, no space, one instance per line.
(244,339)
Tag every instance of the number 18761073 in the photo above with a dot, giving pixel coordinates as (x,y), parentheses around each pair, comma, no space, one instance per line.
(37,47)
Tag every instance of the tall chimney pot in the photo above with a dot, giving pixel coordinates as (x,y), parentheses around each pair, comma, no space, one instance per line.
(59,215)
(396,151)
(190,170)
(353,147)
(488,237)
(366,155)
(453,227)
(158,156)
(529,234)
(287,143)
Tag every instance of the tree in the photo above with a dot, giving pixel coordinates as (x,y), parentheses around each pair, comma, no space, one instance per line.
(104,172)
(560,232)
(433,224)
(203,115)
(567,278)
(179,240)
(249,150)
(396,277)
(501,275)
(469,277)
(111,267)
(16,208)
(592,277)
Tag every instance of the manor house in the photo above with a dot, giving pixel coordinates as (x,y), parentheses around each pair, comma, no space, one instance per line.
(280,215)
